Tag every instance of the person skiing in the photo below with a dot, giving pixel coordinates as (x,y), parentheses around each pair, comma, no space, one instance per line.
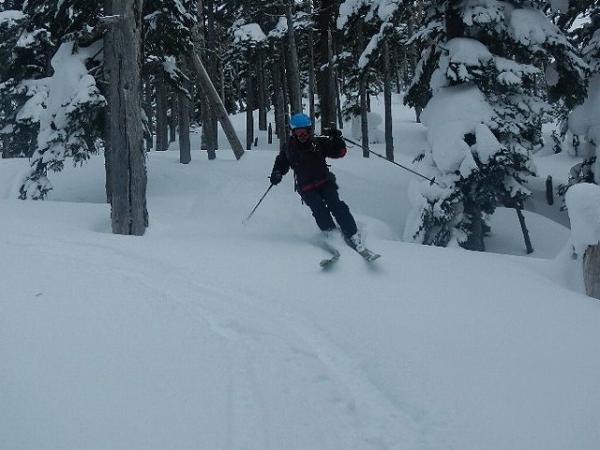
(306,154)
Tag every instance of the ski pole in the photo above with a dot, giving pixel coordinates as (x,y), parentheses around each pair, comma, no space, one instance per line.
(431,180)
(245,221)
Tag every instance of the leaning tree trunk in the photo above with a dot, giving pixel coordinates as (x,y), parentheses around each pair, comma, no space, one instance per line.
(293,64)
(591,271)
(217,104)
(128,165)
(387,99)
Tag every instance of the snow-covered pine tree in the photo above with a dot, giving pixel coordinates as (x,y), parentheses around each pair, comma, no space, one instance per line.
(57,103)
(481,75)
(382,18)
(584,120)
(26,56)
(167,41)
(249,41)
(356,25)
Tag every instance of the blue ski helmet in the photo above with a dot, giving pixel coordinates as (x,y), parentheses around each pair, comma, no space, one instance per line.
(300,120)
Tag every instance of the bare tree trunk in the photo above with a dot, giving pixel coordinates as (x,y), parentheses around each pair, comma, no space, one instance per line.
(413,52)
(183,102)
(293,64)
(284,81)
(149,115)
(173,119)
(333,87)
(108,63)
(211,67)
(591,271)
(249,109)
(217,104)
(279,112)
(336,103)
(387,99)
(261,91)
(364,121)
(162,125)
(364,102)
(207,141)
(128,166)
(323,21)
(311,69)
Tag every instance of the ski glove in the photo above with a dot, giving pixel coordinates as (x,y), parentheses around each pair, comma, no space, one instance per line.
(332,132)
(276,177)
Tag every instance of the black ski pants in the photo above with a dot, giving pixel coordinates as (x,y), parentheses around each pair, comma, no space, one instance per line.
(324,202)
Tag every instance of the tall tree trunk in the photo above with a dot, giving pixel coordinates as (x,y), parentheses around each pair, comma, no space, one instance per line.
(207,141)
(249,109)
(183,102)
(128,165)
(311,69)
(591,271)
(387,99)
(284,81)
(413,52)
(149,115)
(336,103)
(279,112)
(323,21)
(108,63)
(293,64)
(173,119)
(261,91)
(364,102)
(211,67)
(162,120)
(333,88)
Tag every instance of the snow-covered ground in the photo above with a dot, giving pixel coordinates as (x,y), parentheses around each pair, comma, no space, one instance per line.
(210,334)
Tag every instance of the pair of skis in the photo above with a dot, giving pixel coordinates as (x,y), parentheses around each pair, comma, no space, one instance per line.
(367,254)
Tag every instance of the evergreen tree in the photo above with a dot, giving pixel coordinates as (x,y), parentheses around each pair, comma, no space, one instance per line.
(25,51)
(49,45)
(584,120)
(168,38)
(481,76)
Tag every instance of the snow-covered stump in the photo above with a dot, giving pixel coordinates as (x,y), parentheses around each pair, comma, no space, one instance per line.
(583,203)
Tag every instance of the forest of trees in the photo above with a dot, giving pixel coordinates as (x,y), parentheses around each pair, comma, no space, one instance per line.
(128,76)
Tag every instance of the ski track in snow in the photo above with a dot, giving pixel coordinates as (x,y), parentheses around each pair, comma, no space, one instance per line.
(322,388)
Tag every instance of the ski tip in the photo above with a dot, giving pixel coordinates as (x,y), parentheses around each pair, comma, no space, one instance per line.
(327,263)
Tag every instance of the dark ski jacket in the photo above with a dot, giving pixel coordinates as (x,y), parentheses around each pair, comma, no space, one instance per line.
(308,160)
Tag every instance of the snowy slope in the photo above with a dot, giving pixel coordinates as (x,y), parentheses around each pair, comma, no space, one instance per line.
(208,334)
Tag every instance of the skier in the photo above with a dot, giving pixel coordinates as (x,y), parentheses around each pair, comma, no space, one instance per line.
(305,154)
